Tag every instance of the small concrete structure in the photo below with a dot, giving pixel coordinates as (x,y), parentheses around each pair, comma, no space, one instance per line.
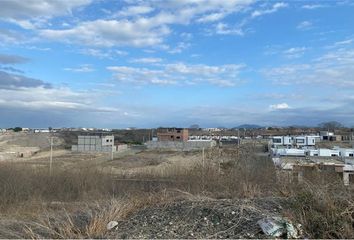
(95,144)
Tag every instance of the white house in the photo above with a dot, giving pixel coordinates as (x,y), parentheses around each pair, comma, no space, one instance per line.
(324,152)
(290,152)
(306,140)
(282,141)
(299,141)
(313,152)
(346,152)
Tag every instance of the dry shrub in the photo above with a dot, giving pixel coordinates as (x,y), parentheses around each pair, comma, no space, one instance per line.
(20,184)
(90,220)
(324,210)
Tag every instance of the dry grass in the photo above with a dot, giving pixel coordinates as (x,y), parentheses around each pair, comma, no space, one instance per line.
(32,195)
(324,210)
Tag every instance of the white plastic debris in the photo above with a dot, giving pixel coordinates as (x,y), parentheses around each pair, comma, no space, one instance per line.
(277,226)
(111,225)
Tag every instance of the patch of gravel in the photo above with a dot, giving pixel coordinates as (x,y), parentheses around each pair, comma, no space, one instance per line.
(199,219)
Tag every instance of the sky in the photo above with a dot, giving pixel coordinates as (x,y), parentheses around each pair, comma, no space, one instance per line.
(136,63)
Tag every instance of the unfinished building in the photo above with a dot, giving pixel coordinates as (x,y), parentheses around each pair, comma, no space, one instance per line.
(172,134)
(94,144)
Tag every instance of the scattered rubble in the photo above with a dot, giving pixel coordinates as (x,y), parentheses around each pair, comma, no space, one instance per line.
(200,219)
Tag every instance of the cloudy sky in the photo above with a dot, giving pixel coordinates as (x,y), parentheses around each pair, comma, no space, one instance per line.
(153,63)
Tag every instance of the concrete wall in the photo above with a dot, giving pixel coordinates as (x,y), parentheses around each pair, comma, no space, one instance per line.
(93,148)
(108,141)
(94,144)
(180,146)
(122,147)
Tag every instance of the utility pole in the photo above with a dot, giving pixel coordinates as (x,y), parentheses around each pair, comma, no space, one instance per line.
(112,152)
(51,156)
(238,142)
(203,157)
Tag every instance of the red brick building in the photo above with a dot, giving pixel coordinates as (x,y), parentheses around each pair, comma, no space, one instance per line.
(172,134)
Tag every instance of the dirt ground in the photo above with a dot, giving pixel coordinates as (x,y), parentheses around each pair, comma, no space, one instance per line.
(129,162)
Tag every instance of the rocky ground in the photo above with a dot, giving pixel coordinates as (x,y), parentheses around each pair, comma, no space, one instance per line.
(199,219)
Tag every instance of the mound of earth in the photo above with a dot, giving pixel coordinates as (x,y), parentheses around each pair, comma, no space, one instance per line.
(199,219)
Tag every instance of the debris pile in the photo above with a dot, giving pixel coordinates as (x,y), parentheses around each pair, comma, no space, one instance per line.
(200,219)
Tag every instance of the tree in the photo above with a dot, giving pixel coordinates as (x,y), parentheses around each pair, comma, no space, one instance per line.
(331,125)
(17,129)
(50,129)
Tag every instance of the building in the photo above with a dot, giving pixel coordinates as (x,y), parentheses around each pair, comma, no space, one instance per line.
(346,152)
(282,141)
(172,134)
(299,141)
(330,136)
(95,144)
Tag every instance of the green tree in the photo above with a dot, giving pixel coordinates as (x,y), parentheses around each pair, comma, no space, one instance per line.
(17,129)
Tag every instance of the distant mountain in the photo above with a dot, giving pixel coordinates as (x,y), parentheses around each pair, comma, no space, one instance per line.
(248,126)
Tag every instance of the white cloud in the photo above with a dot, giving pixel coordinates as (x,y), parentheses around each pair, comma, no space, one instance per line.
(33,13)
(109,33)
(273,9)
(344,42)
(179,73)
(225,29)
(134,11)
(146,60)
(139,30)
(12,37)
(334,68)
(313,6)
(212,17)
(180,46)
(279,106)
(295,52)
(99,53)
(304,25)
(83,68)
(39,98)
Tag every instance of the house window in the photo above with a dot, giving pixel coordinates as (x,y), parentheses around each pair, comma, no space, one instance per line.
(276,140)
(107,140)
(351,155)
(178,137)
(333,155)
(178,131)
(300,141)
(171,136)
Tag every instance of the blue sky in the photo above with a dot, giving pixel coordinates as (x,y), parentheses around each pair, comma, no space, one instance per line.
(157,63)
